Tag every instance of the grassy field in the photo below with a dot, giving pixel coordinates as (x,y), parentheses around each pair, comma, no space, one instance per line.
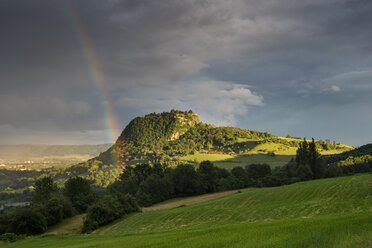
(185,201)
(68,226)
(230,161)
(322,213)
(257,154)
(199,157)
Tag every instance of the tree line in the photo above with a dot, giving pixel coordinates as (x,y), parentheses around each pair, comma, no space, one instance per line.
(51,204)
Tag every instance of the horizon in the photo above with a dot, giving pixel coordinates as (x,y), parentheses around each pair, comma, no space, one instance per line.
(76,72)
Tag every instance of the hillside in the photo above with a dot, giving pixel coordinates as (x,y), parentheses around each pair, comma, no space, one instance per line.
(170,138)
(333,212)
(178,136)
(359,152)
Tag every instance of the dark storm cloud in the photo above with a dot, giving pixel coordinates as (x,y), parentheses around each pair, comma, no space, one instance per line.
(283,57)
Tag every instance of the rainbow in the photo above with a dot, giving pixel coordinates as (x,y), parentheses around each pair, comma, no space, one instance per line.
(95,71)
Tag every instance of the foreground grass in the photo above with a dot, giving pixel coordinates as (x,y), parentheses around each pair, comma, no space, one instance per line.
(331,231)
(301,200)
(322,213)
(185,201)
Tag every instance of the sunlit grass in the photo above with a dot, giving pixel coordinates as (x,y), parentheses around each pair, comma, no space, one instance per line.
(321,213)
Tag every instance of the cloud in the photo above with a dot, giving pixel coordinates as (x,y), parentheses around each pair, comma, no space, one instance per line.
(356,80)
(217,57)
(332,88)
(216,102)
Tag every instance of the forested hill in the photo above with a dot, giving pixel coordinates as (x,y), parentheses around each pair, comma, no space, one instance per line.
(359,156)
(167,136)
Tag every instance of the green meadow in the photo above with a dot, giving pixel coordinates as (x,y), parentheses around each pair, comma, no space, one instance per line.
(333,212)
(273,154)
(230,161)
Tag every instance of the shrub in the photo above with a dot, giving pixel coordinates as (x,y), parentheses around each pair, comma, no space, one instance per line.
(304,172)
(11,237)
(27,221)
(106,210)
(79,192)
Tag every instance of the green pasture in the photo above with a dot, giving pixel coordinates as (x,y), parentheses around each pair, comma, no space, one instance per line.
(321,213)
(230,161)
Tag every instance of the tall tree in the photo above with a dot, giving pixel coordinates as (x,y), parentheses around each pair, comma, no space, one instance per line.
(302,154)
(44,189)
(307,155)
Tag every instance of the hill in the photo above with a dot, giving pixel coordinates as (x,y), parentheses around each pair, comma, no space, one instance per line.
(359,152)
(333,212)
(169,138)
(178,136)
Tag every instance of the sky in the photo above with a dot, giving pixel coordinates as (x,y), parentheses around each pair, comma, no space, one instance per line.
(76,72)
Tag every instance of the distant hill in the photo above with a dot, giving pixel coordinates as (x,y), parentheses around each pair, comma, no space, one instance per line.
(56,153)
(360,151)
(360,159)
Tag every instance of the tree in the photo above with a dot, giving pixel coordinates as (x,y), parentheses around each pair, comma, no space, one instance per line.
(54,211)
(307,154)
(44,189)
(333,171)
(315,162)
(186,181)
(27,221)
(80,193)
(302,153)
(208,176)
(241,176)
(304,172)
(256,171)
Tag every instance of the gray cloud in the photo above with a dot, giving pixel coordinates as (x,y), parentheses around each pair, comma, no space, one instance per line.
(223,59)
(216,102)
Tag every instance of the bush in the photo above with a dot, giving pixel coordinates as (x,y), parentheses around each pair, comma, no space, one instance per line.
(79,192)
(334,171)
(4,223)
(27,221)
(304,172)
(241,176)
(11,237)
(106,210)
(256,171)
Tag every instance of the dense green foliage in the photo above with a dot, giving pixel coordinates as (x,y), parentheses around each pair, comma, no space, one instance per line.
(48,207)
(351,162)
(308,156)
(79,192)
(360,151)
(108,209)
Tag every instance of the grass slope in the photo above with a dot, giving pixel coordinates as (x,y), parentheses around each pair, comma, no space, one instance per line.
(322,213)
(71,225)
